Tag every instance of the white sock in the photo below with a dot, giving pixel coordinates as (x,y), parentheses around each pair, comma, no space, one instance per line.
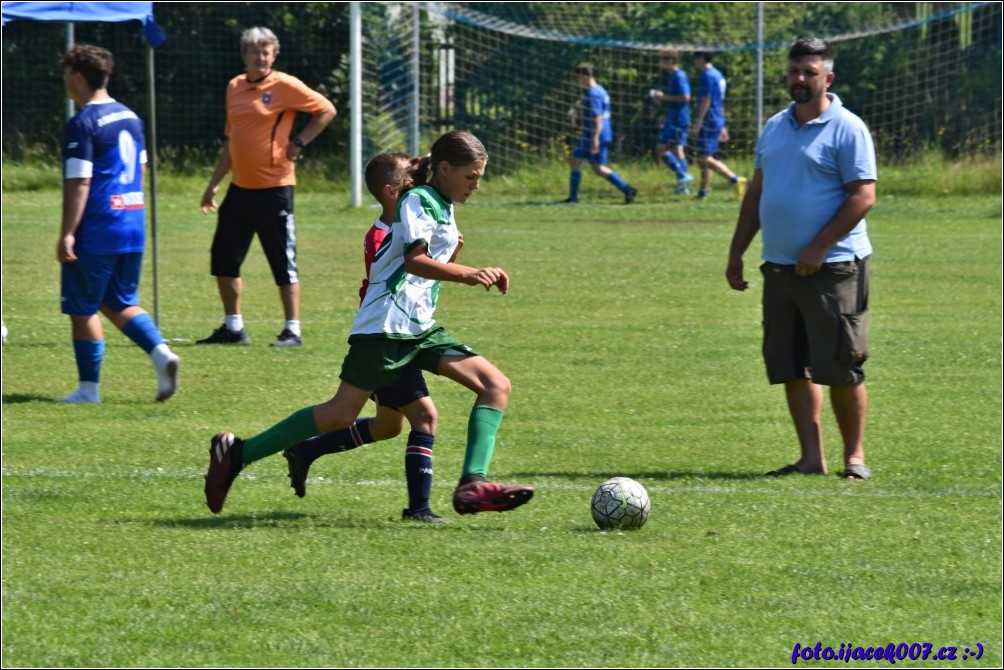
(293,327)
(87,392)
(234,322)
(160,355)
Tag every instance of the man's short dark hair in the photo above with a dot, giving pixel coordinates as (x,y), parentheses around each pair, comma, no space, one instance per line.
(706,56)
(811,46)
(585,69)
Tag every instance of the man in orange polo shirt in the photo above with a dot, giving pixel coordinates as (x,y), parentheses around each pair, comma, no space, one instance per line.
(258,149)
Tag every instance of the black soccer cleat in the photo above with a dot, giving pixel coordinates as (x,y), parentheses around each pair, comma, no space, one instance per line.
(226,460)
(298,469)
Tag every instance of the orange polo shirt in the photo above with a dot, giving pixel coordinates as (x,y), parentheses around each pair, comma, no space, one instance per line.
(259,120)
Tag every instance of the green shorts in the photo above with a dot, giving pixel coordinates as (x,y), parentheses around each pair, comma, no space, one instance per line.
(816,327)
(376,361)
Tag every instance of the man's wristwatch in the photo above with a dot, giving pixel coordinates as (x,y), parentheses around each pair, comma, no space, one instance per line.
(298,142)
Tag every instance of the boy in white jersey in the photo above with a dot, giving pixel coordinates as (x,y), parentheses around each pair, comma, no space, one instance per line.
(395,328)
(387,178)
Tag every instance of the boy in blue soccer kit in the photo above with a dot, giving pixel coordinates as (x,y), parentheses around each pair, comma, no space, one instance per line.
(675,126)
(597,135)
(104,225)
(709,128)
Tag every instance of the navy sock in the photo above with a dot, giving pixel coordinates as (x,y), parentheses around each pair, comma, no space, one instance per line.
(354,436)
(418,469)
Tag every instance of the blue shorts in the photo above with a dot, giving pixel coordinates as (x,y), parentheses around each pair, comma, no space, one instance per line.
(92,281)
(672,135)
(582,147)
(707,141)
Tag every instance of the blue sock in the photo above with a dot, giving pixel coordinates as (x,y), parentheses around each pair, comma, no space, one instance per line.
(89,354)
(735,178)
(573,185)
(354,436)
(616,180)
(418,469)
(143,331)
(683,164)
(672,161)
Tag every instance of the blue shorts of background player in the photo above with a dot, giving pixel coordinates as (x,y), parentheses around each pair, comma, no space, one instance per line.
(671,135)
(582,151)
(707,141)
(92,281)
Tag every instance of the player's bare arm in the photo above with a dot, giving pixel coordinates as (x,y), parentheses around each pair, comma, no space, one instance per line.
(75,192)
(418,262)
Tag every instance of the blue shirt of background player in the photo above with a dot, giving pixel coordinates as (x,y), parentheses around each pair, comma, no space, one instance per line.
(804,172)
(104,141)
(678,113)
(713,86)
(596,103)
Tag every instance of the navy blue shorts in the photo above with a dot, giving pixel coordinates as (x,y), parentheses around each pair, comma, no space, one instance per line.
(409,388)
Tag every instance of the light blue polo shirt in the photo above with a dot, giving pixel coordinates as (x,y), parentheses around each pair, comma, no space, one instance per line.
(804,172)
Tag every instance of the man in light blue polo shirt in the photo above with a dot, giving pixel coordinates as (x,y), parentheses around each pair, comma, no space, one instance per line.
(814,181)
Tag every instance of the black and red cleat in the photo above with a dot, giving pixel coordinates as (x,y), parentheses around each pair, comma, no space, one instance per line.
(484,496)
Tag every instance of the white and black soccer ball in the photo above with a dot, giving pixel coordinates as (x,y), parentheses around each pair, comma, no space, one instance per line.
(622,503)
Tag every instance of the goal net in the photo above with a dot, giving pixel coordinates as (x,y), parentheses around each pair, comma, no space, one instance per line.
(925,76)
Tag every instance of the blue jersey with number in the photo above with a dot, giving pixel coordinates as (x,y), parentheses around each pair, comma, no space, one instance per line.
(596,103)
(103,142)
(678,113)
(713,87)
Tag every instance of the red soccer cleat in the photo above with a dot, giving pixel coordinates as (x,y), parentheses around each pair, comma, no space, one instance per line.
(484,496)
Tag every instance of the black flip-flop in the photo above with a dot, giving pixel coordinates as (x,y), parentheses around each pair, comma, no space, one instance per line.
(856,471)
(786,470)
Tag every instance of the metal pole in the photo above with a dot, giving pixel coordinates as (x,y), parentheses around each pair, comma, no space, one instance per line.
(759,68)
(151,160)
(355,103)
(70,109)
(416,101)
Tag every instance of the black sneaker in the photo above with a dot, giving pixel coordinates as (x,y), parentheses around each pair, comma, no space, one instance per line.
(287,339)
(224,335)
(298,469)
(226,460)
(630,195)
(423,515)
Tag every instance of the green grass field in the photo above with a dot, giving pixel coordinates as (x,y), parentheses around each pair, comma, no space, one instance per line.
(628,354)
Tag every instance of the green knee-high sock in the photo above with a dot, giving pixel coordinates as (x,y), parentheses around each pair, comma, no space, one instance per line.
(482,427)
(295,428)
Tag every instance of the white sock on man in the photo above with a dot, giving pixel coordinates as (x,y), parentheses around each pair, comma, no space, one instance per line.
(293,326)
(234,322)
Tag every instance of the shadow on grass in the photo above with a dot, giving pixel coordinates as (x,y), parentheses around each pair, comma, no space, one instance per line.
(21,398)
(659,476)
(287,521)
